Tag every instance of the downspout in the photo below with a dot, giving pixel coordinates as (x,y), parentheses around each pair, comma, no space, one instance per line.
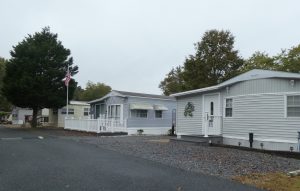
(298,141)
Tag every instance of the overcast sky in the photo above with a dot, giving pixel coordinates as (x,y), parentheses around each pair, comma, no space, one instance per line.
(131,44)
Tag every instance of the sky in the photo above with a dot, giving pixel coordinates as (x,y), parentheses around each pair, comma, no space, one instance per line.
(131,45)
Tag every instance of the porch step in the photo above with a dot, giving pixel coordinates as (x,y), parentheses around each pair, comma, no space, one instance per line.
(217,139)
(188,141)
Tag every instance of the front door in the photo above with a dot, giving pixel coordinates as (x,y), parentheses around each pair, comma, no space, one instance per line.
(212,115)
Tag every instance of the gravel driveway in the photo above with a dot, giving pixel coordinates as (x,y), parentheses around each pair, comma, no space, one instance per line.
(218,161)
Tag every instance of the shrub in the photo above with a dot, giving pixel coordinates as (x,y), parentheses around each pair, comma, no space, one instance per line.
(140,131)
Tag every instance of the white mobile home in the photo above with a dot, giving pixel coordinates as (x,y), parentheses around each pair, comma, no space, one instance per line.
(22,115)
(259,102)
(154,114)
(76,109)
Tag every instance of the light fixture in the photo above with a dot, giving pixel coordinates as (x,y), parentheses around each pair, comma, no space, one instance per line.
(262,145)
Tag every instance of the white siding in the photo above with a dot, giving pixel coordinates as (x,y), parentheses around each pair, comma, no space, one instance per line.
(189,125)
(270,85)
(78,114)
(263,115)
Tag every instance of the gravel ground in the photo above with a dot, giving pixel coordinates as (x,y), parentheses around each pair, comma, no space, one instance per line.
(218,161)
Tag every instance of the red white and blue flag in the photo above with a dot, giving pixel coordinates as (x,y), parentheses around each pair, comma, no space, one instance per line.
(68,78)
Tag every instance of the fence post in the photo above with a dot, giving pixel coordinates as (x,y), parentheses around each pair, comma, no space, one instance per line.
(113,123)
(98,125)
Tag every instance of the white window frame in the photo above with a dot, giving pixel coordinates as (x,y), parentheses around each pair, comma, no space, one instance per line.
(228,107)
(113,116)
(71,111)
(84,111)
(286,105)
(135,116)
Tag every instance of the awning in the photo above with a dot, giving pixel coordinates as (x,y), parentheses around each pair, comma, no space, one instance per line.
(160,107)
(140,106)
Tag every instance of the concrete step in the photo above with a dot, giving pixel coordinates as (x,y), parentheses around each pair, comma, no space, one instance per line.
(188,141)
(217,139)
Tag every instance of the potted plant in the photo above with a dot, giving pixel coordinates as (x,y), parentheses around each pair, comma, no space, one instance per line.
(140,131)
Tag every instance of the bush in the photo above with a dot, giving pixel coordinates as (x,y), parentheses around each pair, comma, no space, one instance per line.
(140,131)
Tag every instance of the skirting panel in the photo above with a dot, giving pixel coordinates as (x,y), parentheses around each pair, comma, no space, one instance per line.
(149,130)
(267,145)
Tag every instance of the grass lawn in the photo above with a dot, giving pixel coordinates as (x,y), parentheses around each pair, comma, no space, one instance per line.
(271,181)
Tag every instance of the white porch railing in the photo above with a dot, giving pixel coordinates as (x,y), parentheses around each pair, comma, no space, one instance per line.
(96,125)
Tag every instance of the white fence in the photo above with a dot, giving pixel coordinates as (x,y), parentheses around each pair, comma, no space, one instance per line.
(96,125)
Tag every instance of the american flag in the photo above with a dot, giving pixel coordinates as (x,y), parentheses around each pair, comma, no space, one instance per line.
(68,78)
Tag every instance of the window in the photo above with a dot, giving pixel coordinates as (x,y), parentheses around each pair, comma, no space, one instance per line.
(70,111)
(211,108)
(86,111)
(228,108)
(15,116)
(293,106)
(45,119)
(158,114)
(114,111)
(54,111)
(140,113)
(100,110)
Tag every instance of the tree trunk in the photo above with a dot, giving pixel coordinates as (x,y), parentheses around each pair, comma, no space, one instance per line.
(34,118)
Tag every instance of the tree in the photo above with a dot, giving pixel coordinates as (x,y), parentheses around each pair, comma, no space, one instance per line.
(35,73)
(4,104)
(173,81)
(77,93)
(215,60)
(260,60)
(92,91)
(289,60)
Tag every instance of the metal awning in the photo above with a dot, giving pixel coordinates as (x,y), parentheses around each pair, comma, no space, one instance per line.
(160,107)
(141,106)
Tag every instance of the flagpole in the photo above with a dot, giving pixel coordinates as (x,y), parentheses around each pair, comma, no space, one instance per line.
(67,96)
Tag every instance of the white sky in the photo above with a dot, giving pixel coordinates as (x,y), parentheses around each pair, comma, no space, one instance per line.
(131,44)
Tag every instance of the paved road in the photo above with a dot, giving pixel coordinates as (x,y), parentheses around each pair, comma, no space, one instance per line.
(54,163)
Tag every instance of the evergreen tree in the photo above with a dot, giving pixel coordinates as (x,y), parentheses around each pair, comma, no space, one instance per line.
(35,73)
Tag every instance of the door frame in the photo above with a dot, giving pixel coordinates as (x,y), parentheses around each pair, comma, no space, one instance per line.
(219,113)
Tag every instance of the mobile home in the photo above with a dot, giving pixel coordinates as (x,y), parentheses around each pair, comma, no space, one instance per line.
(259,104)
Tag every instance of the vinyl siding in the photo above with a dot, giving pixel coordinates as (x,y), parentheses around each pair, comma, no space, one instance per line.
(78,114)
(259,107)
(150,121)
(270,85)
(189,125)
(263,115)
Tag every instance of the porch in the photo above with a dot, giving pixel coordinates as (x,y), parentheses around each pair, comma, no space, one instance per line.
(96,125)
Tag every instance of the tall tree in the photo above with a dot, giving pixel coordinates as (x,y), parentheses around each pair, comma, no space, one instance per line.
(77,93)
(215,60)
(35,73)
(173,81)
(92,91)
(289,60)
(260,60)
(4,104)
